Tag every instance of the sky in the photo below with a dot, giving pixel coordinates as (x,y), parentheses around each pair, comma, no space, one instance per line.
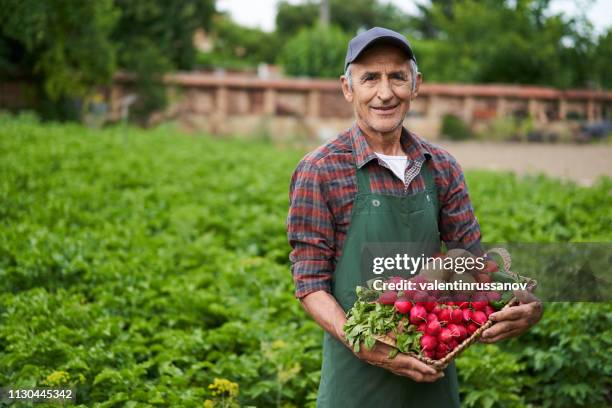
(261,13)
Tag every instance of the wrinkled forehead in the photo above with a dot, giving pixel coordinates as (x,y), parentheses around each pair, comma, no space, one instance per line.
(383,55)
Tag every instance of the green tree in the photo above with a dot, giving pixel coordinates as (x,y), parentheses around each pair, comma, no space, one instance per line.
(602,55)
(349,16)
(70,47)
(237,47)
(156,36)
(316,52)
(502,41)
(49,42)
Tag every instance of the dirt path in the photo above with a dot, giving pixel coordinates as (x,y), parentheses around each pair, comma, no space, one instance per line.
(580,163)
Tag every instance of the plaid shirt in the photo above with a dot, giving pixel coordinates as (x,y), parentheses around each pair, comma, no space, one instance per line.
(323,187)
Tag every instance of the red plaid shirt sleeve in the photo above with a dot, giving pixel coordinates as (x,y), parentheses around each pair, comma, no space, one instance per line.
(457,223)
(310,231)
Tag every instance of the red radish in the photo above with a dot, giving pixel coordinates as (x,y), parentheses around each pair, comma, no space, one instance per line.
(428,342)
(471,328)
(479,297)
(409,294)
(431,317)
(456,316)
(388,298)
(421,297)
(479,301)
(442,348)
(437,309)
(479,317)
(488,310)
(430,354)
(418,315)
(429,305)
(462,332)
(418,279)
(467,315)
(462,305)
(444,315)
(395,279)
(433,328)
(483,278)
(453,344)
(491,267)
(445,335)
(422,327)
(454,329)
(403,305)
(450,303)
(493,296)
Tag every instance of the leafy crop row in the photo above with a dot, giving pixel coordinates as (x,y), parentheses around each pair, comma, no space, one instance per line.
(149,268)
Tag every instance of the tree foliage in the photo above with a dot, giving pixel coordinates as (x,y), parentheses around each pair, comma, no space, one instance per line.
(510,42)
(50,39)
(235,46)
(71,47)
(477,41)
(350,16)
(316,51)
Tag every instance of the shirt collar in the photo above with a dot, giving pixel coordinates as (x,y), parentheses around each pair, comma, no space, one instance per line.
(412,145)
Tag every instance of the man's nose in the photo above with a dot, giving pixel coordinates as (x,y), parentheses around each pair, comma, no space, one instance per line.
(385,93)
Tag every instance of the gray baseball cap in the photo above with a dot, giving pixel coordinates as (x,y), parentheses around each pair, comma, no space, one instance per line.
(374,35)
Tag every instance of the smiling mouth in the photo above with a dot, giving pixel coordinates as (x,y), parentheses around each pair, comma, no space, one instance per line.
(384,109)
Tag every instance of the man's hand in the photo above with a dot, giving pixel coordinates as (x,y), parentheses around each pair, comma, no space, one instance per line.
(326,311)
(514,321)
(401,364)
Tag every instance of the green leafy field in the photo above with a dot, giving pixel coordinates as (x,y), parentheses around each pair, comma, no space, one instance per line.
(139,266)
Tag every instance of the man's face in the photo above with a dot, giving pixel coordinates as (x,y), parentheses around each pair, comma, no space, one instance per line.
(381,88)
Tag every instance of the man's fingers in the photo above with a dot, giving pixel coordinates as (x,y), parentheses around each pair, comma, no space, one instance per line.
(412,363)
(510,313)
(502,327)
(419,377)
(502,336)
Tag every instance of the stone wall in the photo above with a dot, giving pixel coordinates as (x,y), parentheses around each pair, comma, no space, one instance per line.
(316,109)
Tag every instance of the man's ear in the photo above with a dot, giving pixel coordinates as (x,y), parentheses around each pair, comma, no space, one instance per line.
(348,93)
(419,80)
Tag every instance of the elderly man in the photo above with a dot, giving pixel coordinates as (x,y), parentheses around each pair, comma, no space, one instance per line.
(378,182)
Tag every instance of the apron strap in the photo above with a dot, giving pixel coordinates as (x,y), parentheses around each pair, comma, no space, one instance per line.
(430,184)
(363,180)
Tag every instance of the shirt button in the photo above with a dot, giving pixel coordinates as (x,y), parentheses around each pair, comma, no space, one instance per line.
(376,203)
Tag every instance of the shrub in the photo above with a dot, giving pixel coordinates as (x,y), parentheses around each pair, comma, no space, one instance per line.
(454,128)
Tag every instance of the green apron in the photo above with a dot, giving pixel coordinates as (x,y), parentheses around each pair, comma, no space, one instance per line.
(346,381)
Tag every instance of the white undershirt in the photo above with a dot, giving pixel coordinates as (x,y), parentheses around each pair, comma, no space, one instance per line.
(397,164)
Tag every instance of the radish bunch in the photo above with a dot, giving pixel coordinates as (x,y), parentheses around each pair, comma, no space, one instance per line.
(443,324)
